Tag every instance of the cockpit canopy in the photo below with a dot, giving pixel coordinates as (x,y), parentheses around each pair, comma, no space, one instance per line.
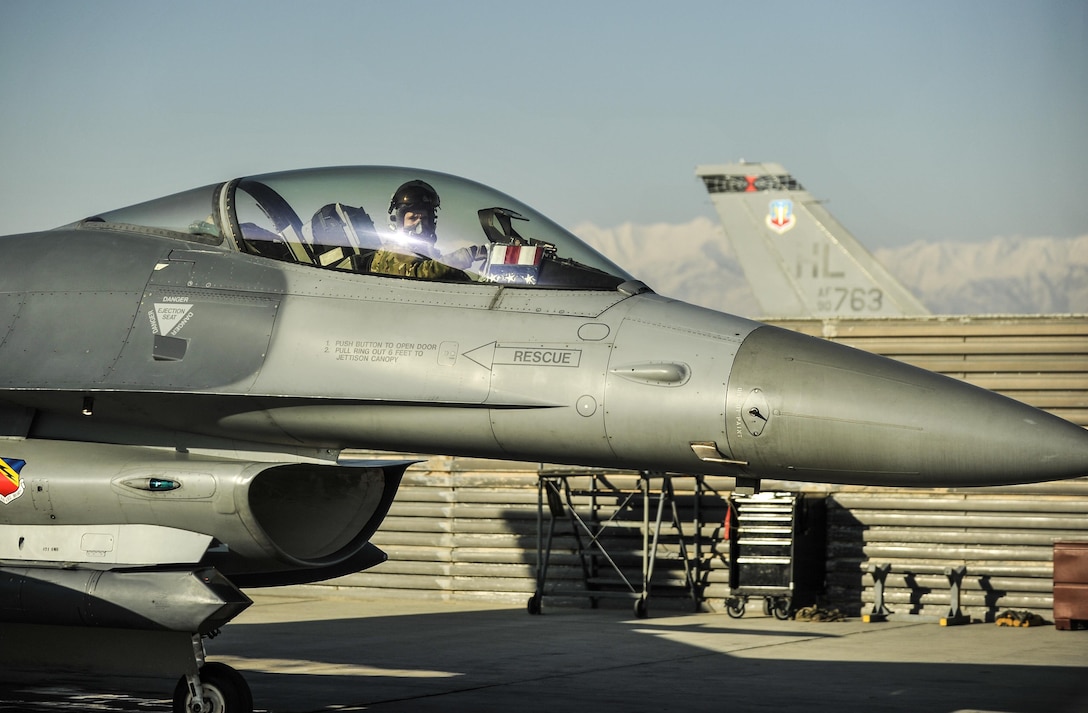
(380,220)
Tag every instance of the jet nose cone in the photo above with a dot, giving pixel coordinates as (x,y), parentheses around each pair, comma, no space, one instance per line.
(806,409)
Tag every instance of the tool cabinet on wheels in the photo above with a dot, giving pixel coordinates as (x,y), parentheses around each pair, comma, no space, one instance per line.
(776,551)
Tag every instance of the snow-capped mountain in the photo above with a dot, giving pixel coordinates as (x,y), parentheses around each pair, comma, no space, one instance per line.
(694,262)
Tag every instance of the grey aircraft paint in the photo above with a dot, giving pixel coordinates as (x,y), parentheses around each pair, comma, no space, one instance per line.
(177,380)
(799,260)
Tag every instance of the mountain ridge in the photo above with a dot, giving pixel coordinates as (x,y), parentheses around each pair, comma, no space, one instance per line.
(694,262)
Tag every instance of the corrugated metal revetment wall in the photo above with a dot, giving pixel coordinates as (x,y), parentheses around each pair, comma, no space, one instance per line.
(1004,536)
(467,529)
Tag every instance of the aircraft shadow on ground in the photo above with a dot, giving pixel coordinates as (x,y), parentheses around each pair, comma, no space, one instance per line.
(576,660)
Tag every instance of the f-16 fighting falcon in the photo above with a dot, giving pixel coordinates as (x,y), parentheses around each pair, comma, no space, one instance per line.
(178,379)
(799,260)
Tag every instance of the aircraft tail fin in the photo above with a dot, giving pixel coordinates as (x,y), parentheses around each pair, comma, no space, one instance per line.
(799,260)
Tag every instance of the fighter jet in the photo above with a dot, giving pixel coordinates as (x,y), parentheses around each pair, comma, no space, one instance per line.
(799,260)
(179,378)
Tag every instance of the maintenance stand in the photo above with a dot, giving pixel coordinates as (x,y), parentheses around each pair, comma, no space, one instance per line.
(602,516)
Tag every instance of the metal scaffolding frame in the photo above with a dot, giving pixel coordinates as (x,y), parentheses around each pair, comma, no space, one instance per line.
(555,488)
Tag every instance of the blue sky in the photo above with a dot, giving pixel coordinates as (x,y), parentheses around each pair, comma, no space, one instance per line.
(926,120)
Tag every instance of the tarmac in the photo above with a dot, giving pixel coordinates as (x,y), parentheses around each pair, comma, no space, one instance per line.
(304,653)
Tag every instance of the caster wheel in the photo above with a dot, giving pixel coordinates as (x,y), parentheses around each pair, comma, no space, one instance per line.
(734,607)
(782,608)
(640,609)
(534,604)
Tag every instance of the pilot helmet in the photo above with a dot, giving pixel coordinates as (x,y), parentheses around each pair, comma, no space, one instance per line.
(415,197)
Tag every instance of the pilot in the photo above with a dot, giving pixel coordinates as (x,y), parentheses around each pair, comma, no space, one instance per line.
(408,249)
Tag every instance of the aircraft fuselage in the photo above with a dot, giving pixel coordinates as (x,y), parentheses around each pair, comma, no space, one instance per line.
(178,341)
